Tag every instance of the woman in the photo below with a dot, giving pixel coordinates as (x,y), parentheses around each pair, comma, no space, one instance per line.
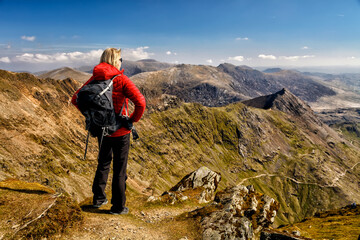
(115,146)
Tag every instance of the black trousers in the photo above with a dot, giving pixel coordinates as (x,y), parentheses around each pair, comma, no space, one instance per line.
(116,148)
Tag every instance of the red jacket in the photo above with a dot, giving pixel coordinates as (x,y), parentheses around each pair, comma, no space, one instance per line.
(122,88)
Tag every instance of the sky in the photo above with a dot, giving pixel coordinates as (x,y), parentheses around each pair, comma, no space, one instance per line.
(41,35)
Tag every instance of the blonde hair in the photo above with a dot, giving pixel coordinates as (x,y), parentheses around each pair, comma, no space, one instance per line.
(111,56)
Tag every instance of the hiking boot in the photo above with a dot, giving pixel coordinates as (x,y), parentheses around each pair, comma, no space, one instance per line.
(100,204)
(125,210)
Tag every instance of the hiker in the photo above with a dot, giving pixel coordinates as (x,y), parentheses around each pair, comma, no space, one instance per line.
(116,145)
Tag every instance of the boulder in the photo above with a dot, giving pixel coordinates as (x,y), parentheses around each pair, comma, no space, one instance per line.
(199,185)
(202,178)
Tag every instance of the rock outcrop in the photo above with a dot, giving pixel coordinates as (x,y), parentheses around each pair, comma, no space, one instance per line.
(286,102)
(236,213)
(200,185)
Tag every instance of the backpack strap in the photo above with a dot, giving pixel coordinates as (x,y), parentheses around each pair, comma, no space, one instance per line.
(108,86)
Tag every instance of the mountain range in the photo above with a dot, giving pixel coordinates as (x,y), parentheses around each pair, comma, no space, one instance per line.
(319,90)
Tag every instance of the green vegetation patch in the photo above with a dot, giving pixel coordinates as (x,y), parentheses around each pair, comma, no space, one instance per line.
(341,223)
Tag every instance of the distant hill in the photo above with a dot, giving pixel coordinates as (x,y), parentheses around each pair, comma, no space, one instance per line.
(66,72)
(190,83)
(145,65)
(248,81)
(272,70)
(255,83)
(135,67)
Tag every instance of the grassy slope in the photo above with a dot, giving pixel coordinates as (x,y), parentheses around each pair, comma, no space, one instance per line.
(283,158)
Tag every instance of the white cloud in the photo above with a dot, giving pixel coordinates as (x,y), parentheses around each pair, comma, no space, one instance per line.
(242,38)
(137,54)
(295,58)
(209,61)
(5,60)
(341,15)
(263,56)
(28,38)
(305,47)
(308,56)
(352,57)
(71,57)
(171,53)
(236,58)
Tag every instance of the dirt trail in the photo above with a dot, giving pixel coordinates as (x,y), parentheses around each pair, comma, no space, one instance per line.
(153,223)
(333,184)
(102,226)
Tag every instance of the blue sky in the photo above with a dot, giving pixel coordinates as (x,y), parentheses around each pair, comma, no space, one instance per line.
(38,35)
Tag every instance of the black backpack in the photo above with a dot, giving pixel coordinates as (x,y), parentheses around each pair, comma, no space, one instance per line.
(96,104)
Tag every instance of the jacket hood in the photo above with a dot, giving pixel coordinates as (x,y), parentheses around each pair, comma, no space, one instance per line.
(104,71)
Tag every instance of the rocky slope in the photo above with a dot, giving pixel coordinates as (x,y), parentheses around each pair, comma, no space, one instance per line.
(289,156)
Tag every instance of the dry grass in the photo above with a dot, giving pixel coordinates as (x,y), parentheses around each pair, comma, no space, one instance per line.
(27,187)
